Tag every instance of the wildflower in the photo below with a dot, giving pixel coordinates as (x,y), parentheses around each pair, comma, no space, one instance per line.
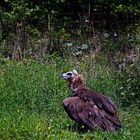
(49,127)
(83,126)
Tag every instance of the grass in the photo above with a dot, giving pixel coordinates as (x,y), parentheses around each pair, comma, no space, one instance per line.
(31,96)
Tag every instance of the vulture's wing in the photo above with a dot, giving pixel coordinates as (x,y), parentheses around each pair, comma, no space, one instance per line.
(103,102)
(88,114)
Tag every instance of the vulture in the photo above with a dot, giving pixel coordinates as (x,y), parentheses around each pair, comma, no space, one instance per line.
(87,107)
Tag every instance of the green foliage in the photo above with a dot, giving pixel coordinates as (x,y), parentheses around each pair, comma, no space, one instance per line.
(30,11)
(130,85)
(29,22)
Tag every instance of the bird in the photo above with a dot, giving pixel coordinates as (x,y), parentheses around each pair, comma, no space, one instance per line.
(87,107)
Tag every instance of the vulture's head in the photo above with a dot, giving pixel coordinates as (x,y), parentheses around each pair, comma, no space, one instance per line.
(74,79)
(69,75)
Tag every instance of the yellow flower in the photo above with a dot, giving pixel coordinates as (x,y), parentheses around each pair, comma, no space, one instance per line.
(38,127)
(82,126)
(49,127)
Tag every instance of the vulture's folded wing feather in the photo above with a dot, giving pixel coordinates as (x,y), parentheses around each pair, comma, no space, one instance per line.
(100,100)
(106,103)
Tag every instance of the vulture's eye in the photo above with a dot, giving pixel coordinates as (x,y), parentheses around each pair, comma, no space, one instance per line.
(69,74)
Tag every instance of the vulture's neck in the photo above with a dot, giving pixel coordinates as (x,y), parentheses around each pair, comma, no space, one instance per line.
(75,85)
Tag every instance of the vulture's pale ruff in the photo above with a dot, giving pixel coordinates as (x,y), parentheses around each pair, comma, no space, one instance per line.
(88,107)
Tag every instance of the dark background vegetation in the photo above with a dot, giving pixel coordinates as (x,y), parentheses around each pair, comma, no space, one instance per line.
(39,39)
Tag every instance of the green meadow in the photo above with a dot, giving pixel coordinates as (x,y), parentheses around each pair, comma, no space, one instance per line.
(31,97)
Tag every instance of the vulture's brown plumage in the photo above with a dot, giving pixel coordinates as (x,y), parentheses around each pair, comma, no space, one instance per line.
(88,107)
